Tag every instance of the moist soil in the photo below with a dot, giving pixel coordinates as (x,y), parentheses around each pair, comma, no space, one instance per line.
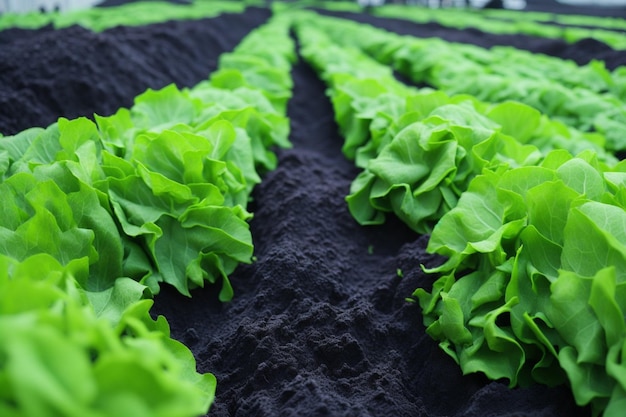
(320,324)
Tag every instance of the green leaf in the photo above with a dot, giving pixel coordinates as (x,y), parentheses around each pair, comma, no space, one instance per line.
(594,238)
(12,148)
(452,322)
(606,307)
(583,178)
(111,302)
(548,206)
(157,110)
(201,234)
(517,120)
(589,381)
(42,221)
(455,233)
(575,320)
(506,353)
(616,404)
(543,253)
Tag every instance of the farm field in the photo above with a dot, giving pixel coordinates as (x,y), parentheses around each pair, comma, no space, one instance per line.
(319,323)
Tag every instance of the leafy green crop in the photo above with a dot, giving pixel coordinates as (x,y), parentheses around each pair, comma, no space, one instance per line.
(161,188)
(63,355)
(131,14)
(107,207)
(361,90)
(420,148)
(462,19)
(531,287)
(262,61)
(534,236)
(600,22)
(95,215)
(588,98)
(528,212)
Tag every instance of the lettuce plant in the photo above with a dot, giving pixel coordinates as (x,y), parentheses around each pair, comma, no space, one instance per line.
(531,288)
(587,98)
(533,236)
(461,19)
(95,215)
(130,14)
(63,355)
(419,149)
(138,216)
(161,188)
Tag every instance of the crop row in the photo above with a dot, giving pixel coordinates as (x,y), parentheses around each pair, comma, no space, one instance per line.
(604,22)
(95,215)
(589,97)
(130,14)
(570,28)
(531,222)
(372,107)
(461,19)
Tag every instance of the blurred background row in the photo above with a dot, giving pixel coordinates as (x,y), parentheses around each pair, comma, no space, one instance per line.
(602,7)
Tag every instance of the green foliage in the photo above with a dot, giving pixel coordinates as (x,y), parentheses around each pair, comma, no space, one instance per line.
(534,236)
(588,98)
(535,260)
(157,192)
(63,355)
(95,215)
(516,23)
(262,61)
(131,14)
(419,149)
(97,205)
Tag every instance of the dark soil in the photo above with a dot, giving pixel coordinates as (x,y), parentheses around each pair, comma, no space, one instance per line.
(74,72)
(319,325)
